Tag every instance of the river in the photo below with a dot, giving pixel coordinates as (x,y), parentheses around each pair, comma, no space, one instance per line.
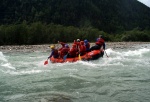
(124,76)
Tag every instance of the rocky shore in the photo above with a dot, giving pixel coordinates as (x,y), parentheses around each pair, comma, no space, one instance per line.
(45,47)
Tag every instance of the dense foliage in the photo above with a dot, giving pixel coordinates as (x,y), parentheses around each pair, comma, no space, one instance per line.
(38,33)
(47,21)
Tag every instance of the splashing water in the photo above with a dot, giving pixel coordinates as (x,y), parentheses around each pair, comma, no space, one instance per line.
(123,76)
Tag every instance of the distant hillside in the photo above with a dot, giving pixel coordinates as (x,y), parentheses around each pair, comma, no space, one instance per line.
(107,15)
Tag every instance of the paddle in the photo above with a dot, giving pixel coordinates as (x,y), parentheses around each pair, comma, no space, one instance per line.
(79,57)
(106,53)
(65,57)
(46,62)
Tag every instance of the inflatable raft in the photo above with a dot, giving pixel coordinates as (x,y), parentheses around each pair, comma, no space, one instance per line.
(92,55)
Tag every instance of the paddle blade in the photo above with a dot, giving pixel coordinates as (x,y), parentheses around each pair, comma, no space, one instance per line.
(46,62)
(65,57)
(79,57)
(106,54)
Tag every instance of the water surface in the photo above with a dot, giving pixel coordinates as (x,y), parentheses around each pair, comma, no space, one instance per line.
(123,77)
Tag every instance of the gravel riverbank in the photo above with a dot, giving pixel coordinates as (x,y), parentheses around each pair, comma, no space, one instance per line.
(45,47)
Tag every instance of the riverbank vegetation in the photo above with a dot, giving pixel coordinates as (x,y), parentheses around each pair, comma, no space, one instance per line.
(47,21)
(39,33)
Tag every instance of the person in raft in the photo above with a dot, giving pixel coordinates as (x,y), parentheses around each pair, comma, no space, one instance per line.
(73,51)
(87,45)
(64,51)
(98,44)
(82,48)
(54,52)
(62,45)
(77,42)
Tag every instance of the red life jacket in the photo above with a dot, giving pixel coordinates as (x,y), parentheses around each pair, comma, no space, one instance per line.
(62,44)
(82,49)
(64,51)
(100,42)
(73,52)
(77,43)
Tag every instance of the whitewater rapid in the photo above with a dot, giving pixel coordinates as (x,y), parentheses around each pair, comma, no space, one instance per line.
(122,76)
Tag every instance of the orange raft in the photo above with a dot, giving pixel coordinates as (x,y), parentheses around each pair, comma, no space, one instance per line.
(92,55)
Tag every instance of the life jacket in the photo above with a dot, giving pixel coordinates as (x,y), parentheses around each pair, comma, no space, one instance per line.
(55,53)
(64,51)
(77,44)
(87,45)
(82,48)
(100,42)
(62,44)
(73,52)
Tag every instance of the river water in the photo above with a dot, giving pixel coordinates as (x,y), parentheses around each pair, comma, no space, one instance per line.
(122,77)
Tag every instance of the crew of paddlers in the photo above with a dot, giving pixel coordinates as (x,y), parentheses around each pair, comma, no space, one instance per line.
(78,47)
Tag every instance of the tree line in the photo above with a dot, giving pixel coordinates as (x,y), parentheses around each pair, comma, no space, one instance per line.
(47,21)
(39,33)
(111,16)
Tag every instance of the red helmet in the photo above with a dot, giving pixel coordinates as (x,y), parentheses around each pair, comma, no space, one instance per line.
(82,42)
(62,43)
(73,45)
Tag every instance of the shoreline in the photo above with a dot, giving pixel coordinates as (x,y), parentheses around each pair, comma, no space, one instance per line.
(45,47)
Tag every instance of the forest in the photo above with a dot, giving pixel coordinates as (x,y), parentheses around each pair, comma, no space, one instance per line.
(47,21)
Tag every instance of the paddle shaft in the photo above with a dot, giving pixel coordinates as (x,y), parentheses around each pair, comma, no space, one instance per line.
(106,53)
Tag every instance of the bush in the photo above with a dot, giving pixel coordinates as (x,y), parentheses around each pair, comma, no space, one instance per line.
(136,35)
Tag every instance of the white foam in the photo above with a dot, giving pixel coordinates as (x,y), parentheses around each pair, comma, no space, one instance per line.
(2,57)
(4,62)
(8,65)
(138,52)
(16,96)
(88,63)
(24,72)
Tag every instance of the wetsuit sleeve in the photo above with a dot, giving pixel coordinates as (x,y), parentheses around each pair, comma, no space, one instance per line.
(51,54)
(104,45)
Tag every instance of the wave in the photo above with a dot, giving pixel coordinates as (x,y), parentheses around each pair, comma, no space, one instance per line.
(8,65)
(4,62)
(25,72)
(2,57)
(120,57)
(134,52)
(128,57)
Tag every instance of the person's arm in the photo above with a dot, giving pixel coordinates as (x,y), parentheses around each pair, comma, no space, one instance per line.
(104,45)
(62,43)
(51,54)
